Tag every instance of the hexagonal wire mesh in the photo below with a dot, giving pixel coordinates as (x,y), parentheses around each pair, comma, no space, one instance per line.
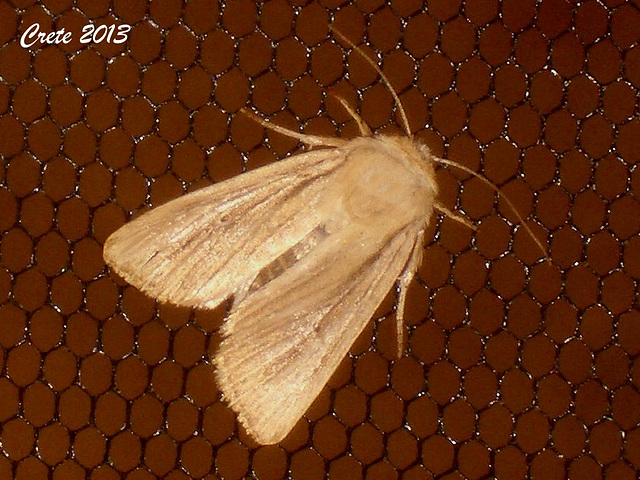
(514,368)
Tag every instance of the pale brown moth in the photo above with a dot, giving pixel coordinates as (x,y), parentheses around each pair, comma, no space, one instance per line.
(307,247)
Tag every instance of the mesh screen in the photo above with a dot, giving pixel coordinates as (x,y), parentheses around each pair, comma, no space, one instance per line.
(515,367)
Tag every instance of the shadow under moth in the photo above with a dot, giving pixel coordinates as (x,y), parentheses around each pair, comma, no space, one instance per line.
(308,247)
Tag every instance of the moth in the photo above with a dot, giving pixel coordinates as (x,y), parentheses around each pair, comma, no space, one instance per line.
(308,247)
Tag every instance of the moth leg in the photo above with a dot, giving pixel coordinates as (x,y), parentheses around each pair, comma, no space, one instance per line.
(365,131)
(310,140)
(458,218)
(403,285)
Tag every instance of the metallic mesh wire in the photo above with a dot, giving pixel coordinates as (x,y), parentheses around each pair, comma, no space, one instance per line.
(514,367)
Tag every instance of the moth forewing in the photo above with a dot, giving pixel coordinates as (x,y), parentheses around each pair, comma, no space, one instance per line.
(282,342)
(272,383)
(200,249)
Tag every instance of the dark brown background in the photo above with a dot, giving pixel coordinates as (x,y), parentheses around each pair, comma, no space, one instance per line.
(515,368)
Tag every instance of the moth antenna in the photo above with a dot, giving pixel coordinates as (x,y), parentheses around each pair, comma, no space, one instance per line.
(364,128)
(310,140)
(385,80)
(494,187)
